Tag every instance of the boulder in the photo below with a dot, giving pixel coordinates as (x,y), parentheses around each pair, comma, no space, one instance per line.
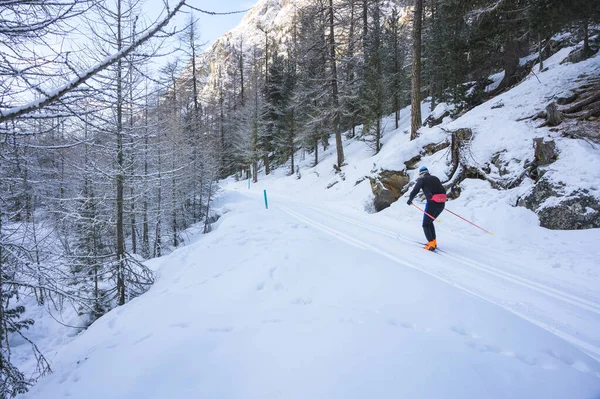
(582,211)
(387,187)
(383,200)
(577,211)
(393,180)
(540,193)
(432,148)
(412,163)
(434,120)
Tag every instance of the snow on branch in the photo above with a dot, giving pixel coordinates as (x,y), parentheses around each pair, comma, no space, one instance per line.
(56,94)
(216,13)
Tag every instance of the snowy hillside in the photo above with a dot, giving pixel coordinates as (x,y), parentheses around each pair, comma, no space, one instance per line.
(316,297)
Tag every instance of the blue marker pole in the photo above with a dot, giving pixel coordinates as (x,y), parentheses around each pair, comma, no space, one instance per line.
(266,202)
(248,183)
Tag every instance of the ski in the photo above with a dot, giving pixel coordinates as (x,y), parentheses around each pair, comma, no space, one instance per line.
(437,250)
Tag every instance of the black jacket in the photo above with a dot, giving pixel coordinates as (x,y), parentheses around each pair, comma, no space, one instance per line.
(431,185)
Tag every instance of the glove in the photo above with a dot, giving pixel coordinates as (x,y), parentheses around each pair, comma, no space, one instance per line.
(409,202)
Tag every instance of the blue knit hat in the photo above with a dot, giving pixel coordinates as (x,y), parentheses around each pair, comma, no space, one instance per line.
(423,170)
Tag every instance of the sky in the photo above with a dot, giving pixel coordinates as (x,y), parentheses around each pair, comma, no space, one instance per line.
(214,26)
(211,27)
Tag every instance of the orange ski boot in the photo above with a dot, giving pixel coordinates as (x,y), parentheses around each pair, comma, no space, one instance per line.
(431,245)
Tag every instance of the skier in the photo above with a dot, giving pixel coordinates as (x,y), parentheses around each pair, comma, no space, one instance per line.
(436,198)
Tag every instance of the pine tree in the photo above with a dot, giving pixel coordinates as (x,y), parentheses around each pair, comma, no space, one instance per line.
(415,109)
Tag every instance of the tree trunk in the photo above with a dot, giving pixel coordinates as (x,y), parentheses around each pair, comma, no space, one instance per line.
(267,166)
(378,135)
(145,229)
(158,232)
(174,225)
(133,224)
(511,65)
(210,189)
(223,163)
(586,38)
(365,16)
(434,77)
(334,86)
(131,189)
(540,56)
(292,136)
(120,178)
(396,79)
(415,106)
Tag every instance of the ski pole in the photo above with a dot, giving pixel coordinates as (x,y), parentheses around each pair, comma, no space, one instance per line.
(489,232)
(424,212)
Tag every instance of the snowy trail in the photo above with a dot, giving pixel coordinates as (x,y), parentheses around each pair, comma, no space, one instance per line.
(565,314)
(299,302)
(486,267)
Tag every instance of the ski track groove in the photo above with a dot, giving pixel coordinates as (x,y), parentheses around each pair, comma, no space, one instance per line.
(522,281)
(581,303)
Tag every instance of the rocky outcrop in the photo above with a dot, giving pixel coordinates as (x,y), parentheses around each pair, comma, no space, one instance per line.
(387,187)
(436,119)
(544,152)
(540,193)
(576,211)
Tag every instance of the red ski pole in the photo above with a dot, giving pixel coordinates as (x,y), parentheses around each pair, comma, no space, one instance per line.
(481,228)
(424,212)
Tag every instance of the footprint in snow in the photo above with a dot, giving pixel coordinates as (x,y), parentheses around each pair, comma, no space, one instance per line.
(272,272)
(490,348)
(270,321)
(180,325)
(64,378)
(144,338)
(530,360)
(569,361)
(260,286)
(301,301)
(220,330)
(403,324)
(461,331)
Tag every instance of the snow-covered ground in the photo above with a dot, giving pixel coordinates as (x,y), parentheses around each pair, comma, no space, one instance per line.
(317,298)
(304,301)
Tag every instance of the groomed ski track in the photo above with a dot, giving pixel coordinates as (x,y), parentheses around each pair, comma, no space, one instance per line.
(555,309)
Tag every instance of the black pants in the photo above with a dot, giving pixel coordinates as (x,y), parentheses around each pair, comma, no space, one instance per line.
(434,209)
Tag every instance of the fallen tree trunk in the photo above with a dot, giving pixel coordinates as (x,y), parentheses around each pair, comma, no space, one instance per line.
(583,103)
